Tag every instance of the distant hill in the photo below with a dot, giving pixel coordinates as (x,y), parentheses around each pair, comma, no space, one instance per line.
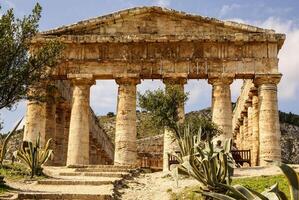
(289,125)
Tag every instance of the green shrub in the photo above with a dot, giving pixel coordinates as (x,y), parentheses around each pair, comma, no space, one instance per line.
(34,156)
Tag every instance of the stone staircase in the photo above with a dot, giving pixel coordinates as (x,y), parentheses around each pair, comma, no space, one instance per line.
(91,182)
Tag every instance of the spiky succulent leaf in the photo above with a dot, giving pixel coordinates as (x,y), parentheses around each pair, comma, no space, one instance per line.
(293,181)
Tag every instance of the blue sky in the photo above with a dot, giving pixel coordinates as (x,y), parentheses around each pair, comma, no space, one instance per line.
(283,16)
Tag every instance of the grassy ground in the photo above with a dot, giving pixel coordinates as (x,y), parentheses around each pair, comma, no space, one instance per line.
(256,183)
(15,172)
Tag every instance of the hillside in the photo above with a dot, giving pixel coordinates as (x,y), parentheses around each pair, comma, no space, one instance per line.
(289,125)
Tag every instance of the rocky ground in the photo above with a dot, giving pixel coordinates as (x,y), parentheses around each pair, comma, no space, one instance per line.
(158,186)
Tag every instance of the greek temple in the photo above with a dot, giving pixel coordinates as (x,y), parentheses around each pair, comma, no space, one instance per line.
(141,43)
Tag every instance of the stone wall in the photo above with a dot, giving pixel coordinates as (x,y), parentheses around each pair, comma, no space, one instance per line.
(150,152)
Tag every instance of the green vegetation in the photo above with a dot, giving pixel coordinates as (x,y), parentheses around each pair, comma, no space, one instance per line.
(255,183)
(13,172)
(20,68)
(163,106)
(34,156)
(4,142)
(289,118)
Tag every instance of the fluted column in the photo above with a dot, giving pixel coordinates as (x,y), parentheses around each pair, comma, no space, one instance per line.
(169,143)
(269,128)
(255,128)
(78,144)
(221,105)
(125,129)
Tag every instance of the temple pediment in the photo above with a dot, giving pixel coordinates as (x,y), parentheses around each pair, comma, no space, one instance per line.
(155,21)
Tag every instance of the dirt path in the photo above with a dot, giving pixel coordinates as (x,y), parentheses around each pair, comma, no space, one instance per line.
(154,186)
(157,186)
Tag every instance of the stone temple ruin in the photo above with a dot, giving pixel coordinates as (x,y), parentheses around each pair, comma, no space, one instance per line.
(157,43)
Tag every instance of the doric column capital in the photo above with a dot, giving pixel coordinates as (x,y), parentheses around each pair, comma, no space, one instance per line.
(220,80)
(267,79)
(127,81)
(81,79)
(175,78)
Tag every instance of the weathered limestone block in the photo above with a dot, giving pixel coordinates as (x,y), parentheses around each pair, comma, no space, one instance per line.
(170,143)
(78,145)
(125,129)
(221,105)
(269,128)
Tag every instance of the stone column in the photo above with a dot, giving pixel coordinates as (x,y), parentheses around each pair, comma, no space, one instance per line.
(245,131)
(50,125)
(66,132)
(125,129)
(241,146)
(221,105)
(78,144)
(35,120)
(170,144)
(269,129)
(255,128)
(249,128)
(59,137)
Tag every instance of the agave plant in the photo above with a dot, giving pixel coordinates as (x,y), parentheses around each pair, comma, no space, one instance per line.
(34,156)
(4,143)
(239,192)
(211,166)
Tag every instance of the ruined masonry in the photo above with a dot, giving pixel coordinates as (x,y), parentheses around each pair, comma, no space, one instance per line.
(156,43)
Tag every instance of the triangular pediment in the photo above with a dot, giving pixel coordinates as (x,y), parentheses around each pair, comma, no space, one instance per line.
(153,20)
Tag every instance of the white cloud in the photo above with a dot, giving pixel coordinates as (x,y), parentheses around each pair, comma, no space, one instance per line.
(225,9)
(163,3)
(103,96)
(288,55)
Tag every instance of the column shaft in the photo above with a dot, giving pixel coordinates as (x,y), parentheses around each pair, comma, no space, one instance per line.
(78,144)
(245,133)
(35,120)
(269,128)
(59,137)
(221,106)
(255,131)
(125,129)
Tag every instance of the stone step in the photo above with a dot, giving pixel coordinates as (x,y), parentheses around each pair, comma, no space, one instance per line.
(101,170)
(107,174)
(102,166)
(97,174)
(36,195)
(73,182)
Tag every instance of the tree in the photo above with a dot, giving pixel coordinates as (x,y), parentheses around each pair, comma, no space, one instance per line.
(162,106)
(20,68)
